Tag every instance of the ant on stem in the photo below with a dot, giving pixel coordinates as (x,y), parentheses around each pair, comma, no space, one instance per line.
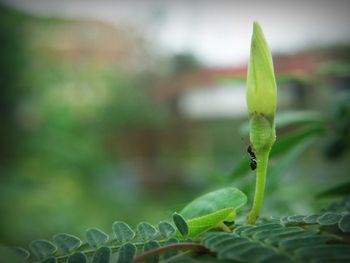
(251,152)
(252,162)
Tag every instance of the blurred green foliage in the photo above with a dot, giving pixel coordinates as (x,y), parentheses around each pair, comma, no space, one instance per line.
(84,144)
(57,121)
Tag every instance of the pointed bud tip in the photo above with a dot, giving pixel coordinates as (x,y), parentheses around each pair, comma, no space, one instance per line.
(256,25)
(261,84)
(257,31)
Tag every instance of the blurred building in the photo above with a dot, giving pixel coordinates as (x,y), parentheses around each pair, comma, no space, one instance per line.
(79,42)
(220,92)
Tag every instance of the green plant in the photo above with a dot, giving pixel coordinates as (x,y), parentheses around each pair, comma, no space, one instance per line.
(261,101)
(319,237)
(210,229)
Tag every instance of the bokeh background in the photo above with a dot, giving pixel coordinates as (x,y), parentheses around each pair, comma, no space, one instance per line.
(126,110)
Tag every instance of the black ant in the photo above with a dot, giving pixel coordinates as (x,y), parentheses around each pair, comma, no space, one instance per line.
(252,163)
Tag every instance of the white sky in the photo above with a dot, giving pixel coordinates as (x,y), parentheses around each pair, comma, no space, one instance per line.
(217,31)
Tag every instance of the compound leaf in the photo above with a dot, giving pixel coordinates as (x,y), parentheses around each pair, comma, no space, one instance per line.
(127,253)
(240,229)
(171,253)
(296,219)
(50,260)
(123,233)
(9,255)
(146,231)
(344,223)
(275,232)
(152,244)
(324,251)
(253,230)
(102,255)
(23,253)
(180,224)
(329,219)
(280,258)
(332,260)
(67,243)
(297,242)
(166,229)
(77,258)
(42,248)
(96,237)
(311,219)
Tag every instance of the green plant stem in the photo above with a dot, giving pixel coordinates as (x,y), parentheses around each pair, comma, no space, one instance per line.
(262,159)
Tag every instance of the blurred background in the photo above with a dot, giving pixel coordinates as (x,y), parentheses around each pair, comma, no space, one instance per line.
(126,110)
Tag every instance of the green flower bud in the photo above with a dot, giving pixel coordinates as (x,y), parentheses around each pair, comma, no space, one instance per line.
(261,84)
(261,101)
(261,92)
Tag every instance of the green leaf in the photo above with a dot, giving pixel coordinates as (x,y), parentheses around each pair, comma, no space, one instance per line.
(199,225)
(222,242)
(23,253)
(166,229)
(344,223)
(312,219)
(229,197)
(77,258)
(329,219)
(290,140)
(275,239)
(240,169)
(254,254)
(96,237)
(290,158)
(297,242)
(171,253)
(150,245)
(280,258)
(324,251)
(8,255)
(212,238)
(295,220)
(253,230)
(275,232)
(271,242)
(50,260)
(127,253)
(288,118)
(339,190)
(42,248)
(67,243)
(180,224)
(330,260)
(241,249)
(123,233)
(102,255)
(236,251)
(240,229)
(146,231)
